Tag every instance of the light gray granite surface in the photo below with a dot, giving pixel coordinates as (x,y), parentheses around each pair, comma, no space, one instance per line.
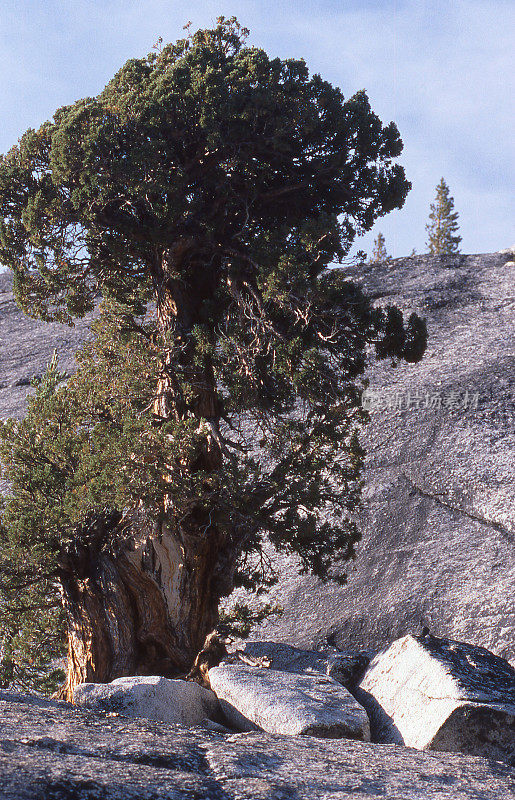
(52,751)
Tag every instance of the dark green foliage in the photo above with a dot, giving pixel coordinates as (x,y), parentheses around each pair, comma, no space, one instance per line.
(238,621)
(217,185)
(32,632)
(443,224)
(248,156)
(89,447)
(33,649)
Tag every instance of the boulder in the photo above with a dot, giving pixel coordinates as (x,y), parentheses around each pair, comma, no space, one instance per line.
(439,694)
(284,657)
(151,697)
(346,667)
(279,702)
(55,750)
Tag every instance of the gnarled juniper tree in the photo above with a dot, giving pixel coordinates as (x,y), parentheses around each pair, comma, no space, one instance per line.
(204,194)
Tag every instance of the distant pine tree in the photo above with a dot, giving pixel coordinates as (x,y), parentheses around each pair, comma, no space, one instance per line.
(443,223)
(379,252)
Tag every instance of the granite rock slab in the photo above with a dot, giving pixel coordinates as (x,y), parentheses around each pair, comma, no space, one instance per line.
(439,499)
(152,697)
(287,703)
(55,751)
(439,694)
(254,766)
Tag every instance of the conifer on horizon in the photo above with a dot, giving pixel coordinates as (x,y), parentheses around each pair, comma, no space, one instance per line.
(442,227)
(379,253)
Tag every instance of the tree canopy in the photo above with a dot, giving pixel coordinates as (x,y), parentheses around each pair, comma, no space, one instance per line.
(209,146)
(205,194)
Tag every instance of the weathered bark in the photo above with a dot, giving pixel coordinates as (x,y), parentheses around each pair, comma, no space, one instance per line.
(213,652)
(148,608)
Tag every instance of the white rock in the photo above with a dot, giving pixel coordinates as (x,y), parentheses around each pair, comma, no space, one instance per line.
(282,702)
(151,697)
(438,694)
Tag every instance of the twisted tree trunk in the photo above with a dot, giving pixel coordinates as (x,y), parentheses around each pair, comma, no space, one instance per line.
(148,608)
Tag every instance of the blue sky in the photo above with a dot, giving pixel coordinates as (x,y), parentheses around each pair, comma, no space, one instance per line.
(444,71)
